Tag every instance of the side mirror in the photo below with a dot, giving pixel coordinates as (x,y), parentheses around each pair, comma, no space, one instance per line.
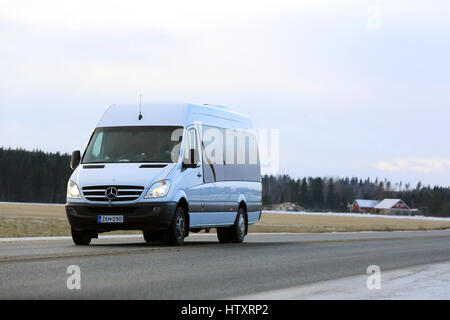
(192,154)
(185,165)
(75,160)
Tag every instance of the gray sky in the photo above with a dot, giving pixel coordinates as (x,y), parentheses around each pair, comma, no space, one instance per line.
(356,88)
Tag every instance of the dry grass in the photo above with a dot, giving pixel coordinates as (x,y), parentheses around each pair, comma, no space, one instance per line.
(28,220)
(23,220)
(11,227)
(31,210)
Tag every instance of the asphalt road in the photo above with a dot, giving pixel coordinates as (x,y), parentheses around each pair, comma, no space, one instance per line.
(205,269)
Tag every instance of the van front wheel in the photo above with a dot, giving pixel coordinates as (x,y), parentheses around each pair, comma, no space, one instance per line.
(81,238)
(224,235)
(177,230)
(153,236)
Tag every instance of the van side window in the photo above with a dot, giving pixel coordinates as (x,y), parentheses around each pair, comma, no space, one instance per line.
(229,155)
(191,151)
(213,153)
(242,160)
(209,172)
(252,164)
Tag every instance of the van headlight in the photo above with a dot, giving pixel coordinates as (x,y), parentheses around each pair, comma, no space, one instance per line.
(72,190)
(158,189)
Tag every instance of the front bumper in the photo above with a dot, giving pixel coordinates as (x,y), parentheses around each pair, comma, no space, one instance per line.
(139,216)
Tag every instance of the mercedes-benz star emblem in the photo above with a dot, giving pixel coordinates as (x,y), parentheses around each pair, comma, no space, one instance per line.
(111,193)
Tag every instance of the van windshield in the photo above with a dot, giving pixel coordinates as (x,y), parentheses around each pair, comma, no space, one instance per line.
(134,144)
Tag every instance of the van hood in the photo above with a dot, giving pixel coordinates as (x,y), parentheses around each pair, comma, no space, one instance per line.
(131,174)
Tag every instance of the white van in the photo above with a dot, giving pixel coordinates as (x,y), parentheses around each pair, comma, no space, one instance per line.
(166,169)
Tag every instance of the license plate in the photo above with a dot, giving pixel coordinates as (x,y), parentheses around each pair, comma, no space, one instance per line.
(110,219)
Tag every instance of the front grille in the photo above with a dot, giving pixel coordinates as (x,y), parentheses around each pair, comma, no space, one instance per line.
(124,193)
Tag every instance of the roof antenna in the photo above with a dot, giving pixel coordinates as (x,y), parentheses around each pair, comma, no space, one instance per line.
(140,108)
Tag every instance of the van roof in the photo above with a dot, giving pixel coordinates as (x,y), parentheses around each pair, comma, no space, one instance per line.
(173,114)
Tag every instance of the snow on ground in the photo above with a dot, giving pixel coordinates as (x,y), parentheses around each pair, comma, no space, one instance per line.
(361,215)
(338,214)
(424,282)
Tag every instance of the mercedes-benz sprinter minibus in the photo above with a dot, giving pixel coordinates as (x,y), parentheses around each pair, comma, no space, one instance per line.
(166,169)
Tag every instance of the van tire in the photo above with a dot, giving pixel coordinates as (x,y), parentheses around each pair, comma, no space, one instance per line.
(81,238)
(177,230)
(148,237)
(237,231)
(223,234)
(153,236)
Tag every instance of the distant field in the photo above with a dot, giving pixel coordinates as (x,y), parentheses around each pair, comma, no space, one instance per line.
(330,223)
(35,220)
(28,220)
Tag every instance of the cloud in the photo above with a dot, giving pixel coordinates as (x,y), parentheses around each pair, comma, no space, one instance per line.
(421,165)
(116,15)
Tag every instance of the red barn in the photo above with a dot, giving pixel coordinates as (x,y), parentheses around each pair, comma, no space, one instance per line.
(363,206)
(392,206)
